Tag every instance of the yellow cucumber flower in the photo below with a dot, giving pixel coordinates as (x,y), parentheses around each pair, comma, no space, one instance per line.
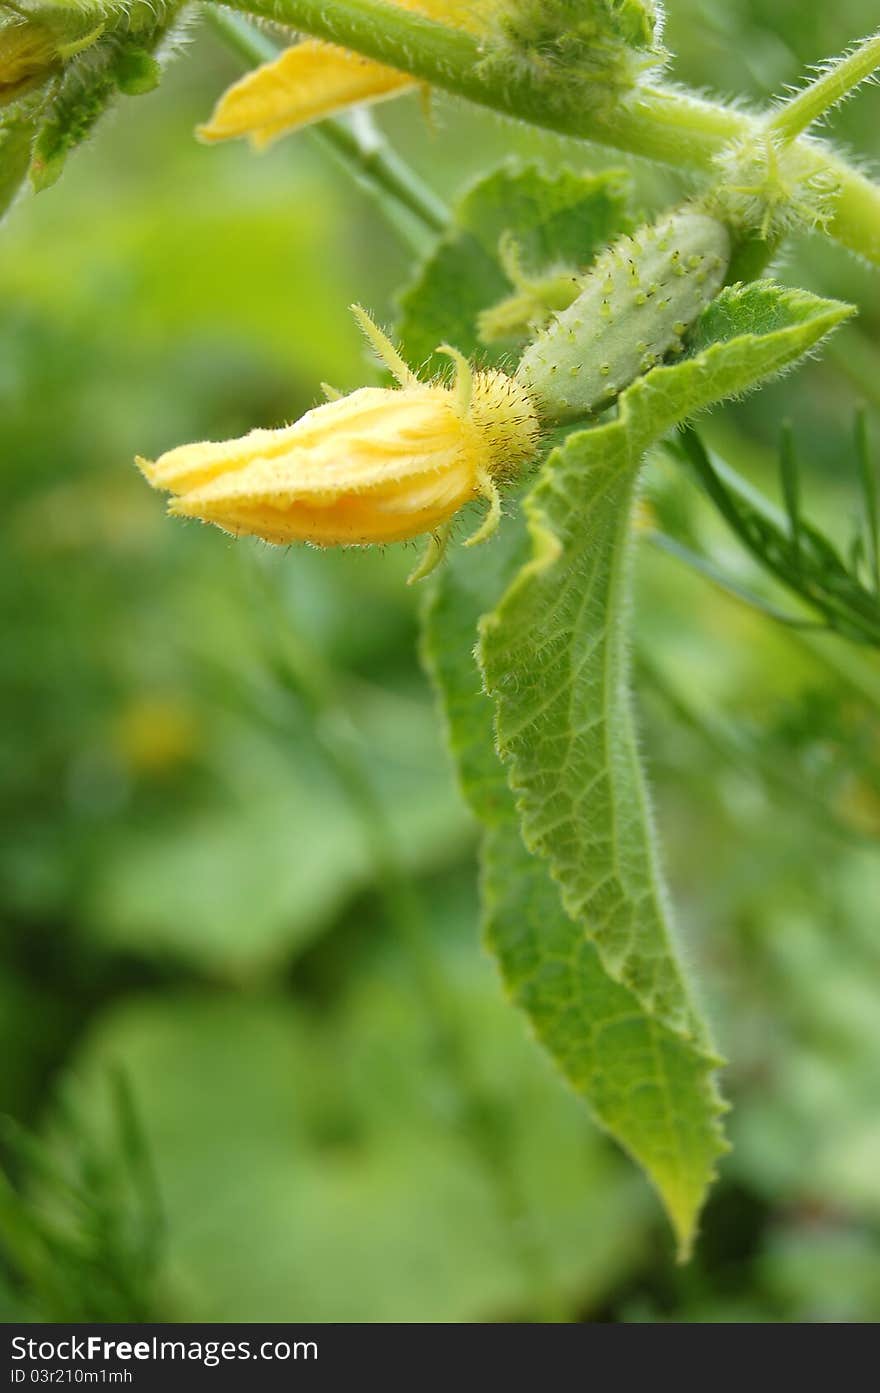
(313,80)
(379,465)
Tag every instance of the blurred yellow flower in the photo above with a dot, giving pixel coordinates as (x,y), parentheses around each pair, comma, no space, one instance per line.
(155,734)
(379,465)
(313,80)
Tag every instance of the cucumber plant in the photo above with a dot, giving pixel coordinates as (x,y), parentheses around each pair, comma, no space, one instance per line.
(581,338)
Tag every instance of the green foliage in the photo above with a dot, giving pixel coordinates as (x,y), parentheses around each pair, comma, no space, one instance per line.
(614,104)
(553,652)
(194,823)
(599,47)
(767,183)
(554,657)
(183,889)
(568,218)
(797,554)
(136,71)
(83,1227)
(82,99)
(191,891)
(331,1140)
(647,1085)
(554,649)
(122,59)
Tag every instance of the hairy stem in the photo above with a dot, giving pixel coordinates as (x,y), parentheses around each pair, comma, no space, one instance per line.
(657,123)
(832,86)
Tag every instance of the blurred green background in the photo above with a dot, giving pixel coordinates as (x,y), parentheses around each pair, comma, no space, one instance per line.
(235,1103)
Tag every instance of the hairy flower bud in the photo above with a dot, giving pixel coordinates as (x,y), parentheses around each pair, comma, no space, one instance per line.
(379,465)
(601,48)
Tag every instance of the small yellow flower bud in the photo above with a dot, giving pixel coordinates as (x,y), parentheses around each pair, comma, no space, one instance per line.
(379,465)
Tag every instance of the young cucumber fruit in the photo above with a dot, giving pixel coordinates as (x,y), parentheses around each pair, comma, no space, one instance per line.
(635,305)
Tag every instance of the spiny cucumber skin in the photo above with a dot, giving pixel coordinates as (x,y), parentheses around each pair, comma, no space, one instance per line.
(635,305)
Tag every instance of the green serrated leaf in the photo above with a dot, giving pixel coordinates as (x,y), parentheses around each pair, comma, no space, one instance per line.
(649,1088)
(796,553)
(652,1090)
(616,1016)
(554,652)
(558,219)
(555,661)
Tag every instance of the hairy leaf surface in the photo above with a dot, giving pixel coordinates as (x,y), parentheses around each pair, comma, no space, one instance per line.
(554,651)
(574,905)
(651,1089)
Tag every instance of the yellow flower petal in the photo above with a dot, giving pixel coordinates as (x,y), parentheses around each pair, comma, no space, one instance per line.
(263,506)
(345,442)
(379,465)
(306,83)
(376,466)
(313,80)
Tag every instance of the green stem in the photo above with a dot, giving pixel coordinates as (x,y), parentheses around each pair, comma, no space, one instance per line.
(751,255)
(838,81)
(240,37)
(364,153)
(657,123)
(378,170)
